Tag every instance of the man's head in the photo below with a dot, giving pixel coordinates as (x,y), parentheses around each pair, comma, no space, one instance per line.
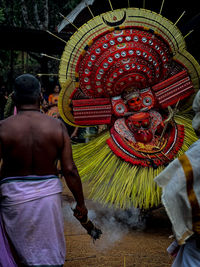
(56,89)
(27,90)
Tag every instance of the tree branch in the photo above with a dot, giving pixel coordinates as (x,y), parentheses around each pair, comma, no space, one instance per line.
(38,21)
(46,15)
(25,15)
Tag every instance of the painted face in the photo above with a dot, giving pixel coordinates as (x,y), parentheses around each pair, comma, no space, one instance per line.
(135,103)
(139,124)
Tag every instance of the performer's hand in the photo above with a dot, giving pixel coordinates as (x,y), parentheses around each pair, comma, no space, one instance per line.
(81,212)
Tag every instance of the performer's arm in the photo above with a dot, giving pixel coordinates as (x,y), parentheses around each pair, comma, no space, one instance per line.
(70,173)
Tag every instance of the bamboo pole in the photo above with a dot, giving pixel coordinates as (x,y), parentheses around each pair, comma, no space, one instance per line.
(68,21)
(188,34)
(46,74)
(110,5)
(56,36)
(45,55)
(89,10)
(179,18)
(161,6)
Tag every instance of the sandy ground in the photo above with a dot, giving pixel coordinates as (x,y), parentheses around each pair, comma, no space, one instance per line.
(126,241)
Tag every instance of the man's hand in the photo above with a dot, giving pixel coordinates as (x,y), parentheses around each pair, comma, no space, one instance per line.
(80,212)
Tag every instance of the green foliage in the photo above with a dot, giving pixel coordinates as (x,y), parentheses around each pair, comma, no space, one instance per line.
(11,13)
(5,65)
(71,4)
(1,16)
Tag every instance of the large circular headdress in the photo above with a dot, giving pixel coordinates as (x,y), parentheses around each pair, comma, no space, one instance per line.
(129,69)
(120,50)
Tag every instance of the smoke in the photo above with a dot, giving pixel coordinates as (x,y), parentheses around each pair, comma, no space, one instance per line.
(114,223)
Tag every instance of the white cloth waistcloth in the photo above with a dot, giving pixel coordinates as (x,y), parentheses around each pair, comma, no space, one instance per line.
(188,255)
(31,210)
(174,192)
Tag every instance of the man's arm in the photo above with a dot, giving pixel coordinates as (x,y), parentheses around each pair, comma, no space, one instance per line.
(70,173)
(1,160)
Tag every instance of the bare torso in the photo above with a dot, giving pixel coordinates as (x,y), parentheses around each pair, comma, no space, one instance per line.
(30,144)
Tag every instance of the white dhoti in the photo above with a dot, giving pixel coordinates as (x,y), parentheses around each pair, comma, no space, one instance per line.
(180,182)
(32,216)
(188,255)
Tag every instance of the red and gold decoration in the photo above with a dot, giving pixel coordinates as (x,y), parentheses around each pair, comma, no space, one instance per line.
(128,69)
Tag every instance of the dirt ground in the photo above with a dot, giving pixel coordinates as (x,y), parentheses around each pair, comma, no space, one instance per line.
(139,243)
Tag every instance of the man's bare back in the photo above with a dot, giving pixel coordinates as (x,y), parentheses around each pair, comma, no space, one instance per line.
(31,142)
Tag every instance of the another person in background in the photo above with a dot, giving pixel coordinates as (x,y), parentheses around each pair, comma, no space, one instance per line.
(9,107)
(30,192)
(3,100)
(44,93)
(180,182)
(43,103)
(53,102)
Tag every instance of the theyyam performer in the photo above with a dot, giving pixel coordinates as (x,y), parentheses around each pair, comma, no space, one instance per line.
(128,69)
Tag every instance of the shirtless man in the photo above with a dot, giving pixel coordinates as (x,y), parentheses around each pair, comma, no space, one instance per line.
(30,191)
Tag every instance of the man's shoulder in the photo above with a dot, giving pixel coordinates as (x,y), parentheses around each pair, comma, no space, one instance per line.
(51,119)
(7,120)
(53,123)
(5,125)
